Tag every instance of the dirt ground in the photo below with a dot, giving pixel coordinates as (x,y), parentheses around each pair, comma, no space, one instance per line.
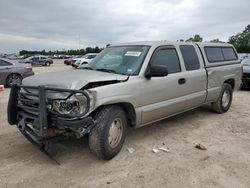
(225,163)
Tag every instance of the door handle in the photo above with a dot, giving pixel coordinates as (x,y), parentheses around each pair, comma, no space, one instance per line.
(182,81)
(7,68)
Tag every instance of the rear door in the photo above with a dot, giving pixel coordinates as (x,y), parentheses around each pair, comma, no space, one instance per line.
(196,76)
(35,60)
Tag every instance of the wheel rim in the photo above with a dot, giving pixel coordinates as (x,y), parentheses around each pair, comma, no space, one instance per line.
(226,98)
(115,133)
(14,79)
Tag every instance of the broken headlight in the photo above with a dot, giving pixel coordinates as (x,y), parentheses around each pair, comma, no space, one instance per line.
(74,105)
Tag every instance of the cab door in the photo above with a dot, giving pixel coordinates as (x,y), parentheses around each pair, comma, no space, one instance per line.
(164,96)
(196,76)
(42,60)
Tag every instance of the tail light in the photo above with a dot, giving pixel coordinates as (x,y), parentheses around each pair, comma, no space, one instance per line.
(29,69)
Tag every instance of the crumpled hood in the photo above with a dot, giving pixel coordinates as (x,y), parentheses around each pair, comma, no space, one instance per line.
(73,79)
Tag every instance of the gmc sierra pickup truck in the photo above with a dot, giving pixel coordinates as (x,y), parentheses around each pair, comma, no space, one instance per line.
(126,85)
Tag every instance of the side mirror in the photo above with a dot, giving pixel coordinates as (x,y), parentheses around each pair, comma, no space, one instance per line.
(156,71)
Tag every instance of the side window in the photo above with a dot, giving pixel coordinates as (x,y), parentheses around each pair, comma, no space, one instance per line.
(4,63)
(229,53)
(169,58)
(35,58)
(214,54)
(190,57)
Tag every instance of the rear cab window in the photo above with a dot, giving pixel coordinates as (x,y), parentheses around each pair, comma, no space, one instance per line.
(220,54)
(229,53)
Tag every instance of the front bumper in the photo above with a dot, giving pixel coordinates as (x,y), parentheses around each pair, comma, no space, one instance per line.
(36,122)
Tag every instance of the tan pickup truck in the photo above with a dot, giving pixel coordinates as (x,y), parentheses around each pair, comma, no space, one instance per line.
(126,85)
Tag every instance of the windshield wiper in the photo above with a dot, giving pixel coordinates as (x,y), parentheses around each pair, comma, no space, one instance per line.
(106,70)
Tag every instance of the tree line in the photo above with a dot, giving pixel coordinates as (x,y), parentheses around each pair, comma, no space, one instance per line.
(63,52)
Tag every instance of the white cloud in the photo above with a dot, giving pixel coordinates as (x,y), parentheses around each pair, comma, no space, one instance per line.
(35,24)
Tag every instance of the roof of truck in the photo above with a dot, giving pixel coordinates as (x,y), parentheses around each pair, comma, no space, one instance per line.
(153,43)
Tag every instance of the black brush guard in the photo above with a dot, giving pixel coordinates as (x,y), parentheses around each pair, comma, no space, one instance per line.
(29,112)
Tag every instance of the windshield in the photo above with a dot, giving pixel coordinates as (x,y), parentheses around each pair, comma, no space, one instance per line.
(126,60)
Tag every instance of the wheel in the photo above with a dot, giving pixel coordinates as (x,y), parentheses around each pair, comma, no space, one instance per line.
(107,137)
(13,79)
(47,64)
(223,104)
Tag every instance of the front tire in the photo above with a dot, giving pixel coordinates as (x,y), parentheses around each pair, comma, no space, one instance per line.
(107,137)
(47,64)
(223,104)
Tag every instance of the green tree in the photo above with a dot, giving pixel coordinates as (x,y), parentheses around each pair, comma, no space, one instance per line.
(196,38)
(241,41)
(89,50)
(68,52)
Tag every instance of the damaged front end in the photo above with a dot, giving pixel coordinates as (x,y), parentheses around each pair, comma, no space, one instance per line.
(42,113)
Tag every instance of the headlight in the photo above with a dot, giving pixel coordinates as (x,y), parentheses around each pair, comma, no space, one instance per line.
(74,105)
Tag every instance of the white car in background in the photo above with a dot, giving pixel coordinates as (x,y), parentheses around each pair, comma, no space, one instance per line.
(86,59)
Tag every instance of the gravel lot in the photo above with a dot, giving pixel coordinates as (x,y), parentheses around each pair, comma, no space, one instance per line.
(225,163)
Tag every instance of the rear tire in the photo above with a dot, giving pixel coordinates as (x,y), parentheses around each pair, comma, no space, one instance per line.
(224,101)
(13,79)
(107,137)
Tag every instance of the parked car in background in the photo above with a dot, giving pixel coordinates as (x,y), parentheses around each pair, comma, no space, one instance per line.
(13,73)
(243,56)
(68,61)
(87,58)
(246,72)
(38,60)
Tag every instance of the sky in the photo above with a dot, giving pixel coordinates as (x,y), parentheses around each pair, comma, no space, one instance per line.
(73,24)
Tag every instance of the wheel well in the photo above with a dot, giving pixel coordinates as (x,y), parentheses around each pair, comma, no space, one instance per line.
(128,109)
(231,82)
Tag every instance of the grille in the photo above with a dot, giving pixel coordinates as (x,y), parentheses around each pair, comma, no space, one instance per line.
(28,101)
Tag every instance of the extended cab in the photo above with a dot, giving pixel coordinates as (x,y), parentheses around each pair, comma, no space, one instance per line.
(126,85)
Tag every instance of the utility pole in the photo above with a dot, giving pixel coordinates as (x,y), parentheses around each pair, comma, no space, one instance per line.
(79,41)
